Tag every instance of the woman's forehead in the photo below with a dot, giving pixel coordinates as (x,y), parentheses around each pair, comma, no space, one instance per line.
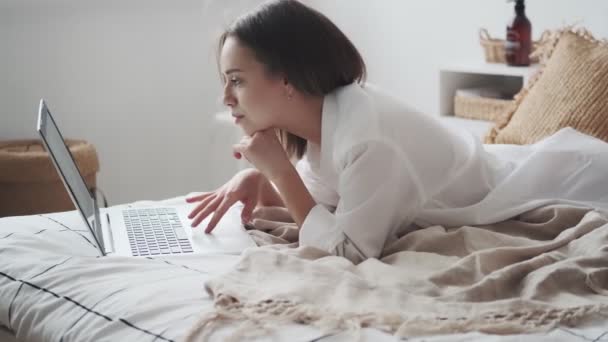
(236,57)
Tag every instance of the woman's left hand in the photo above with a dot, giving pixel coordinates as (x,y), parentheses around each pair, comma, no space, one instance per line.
(264,150)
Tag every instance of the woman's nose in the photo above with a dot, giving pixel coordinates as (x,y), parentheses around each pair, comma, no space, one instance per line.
(228,99)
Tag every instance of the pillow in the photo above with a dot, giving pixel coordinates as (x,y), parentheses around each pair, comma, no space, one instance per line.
(569,90)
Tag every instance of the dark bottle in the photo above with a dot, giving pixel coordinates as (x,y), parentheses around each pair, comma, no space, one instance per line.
(518,45)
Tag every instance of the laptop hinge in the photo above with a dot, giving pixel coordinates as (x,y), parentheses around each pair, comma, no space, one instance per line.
(111,247)
(97,227)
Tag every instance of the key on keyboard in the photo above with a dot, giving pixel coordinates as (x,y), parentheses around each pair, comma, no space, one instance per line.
(155,231)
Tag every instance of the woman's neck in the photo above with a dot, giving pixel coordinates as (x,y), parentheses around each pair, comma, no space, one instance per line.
(305,117)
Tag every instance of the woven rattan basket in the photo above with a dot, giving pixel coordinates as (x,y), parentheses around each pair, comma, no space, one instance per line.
(480,108)
(29,183)
(494,49)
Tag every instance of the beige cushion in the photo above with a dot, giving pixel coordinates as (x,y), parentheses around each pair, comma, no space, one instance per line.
(570,89)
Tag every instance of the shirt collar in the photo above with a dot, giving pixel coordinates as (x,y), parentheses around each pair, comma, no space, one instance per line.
(328,128)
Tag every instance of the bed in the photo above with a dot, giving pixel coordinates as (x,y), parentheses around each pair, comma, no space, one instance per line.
(54,286)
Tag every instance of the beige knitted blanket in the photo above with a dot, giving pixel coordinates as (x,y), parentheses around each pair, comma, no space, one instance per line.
(543,268)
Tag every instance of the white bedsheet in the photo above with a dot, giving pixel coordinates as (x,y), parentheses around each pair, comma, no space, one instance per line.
(54,287)
(478,128)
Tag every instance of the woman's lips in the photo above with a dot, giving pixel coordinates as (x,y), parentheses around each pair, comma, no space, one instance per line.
(237,117)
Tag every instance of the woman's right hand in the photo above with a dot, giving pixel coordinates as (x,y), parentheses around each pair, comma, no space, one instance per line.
(244,187)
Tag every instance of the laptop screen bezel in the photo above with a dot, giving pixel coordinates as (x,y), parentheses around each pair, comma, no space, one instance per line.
(44,114)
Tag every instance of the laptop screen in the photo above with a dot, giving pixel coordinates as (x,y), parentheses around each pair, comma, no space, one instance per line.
(68,171)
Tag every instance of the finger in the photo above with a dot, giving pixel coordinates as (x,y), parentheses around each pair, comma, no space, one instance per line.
(201,206)
(247,209)
(219,212)
(266,225)
(205,212)
(198,197)
(273,213)
(280,214)
(239,151)
(239,148)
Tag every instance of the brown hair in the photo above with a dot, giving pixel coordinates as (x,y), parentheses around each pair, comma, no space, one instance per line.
(293,39)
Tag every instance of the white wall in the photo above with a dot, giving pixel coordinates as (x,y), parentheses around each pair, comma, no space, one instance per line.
(138,79)
(405,42)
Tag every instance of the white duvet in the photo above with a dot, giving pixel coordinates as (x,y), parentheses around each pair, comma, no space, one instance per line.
(55,287)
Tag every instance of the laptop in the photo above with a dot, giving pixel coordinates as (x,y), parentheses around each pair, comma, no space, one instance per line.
(139,231)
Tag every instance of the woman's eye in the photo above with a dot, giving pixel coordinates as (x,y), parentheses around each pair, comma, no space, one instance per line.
(235,81)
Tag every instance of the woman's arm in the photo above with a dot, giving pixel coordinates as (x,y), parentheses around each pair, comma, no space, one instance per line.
(294,194)
(268,195)
(378,192)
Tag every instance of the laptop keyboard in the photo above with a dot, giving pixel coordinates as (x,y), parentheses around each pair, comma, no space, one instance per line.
(155,231)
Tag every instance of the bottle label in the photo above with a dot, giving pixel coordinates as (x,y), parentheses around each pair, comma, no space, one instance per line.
(509,45)
(512,43)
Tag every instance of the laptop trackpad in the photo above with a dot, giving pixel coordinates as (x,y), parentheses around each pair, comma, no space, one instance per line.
(228,236)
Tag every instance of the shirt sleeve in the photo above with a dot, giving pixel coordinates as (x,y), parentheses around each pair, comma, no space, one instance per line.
(379,192)
(320,191)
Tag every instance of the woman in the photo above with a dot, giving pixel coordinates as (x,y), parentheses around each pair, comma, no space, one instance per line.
(369,167)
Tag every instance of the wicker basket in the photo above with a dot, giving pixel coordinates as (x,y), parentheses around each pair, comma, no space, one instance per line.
(494,49)
(28,179)
(480,108)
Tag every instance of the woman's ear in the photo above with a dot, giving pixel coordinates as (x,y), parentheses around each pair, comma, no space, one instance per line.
(288,88)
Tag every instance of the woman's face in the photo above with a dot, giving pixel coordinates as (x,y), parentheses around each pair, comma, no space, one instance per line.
(255,98)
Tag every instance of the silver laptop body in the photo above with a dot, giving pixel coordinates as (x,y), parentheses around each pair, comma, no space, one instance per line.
(138,231)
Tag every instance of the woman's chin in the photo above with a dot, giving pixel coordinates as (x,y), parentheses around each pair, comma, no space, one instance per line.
(247,131)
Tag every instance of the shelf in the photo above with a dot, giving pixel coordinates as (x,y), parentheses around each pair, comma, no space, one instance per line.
(454,76)
(492,69)
(478,128)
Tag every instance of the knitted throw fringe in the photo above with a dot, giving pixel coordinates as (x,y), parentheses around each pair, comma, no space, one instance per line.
(259,319)
(544,51)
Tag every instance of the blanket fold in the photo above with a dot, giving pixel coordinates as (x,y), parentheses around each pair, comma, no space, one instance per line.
(546,267)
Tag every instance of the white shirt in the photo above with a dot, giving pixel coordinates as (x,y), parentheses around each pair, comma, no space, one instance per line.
(382,166)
